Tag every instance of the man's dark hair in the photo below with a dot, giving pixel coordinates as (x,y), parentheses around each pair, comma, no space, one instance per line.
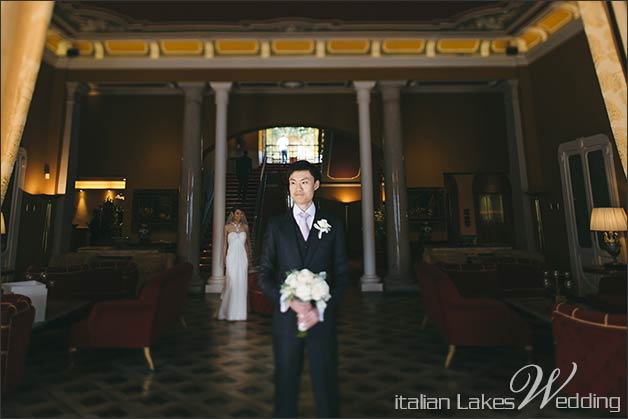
(304,165)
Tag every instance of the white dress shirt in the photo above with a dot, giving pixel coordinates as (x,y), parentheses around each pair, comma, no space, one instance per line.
(311,210)
(310,221)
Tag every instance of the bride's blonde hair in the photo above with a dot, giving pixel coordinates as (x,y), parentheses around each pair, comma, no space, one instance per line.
(243,220)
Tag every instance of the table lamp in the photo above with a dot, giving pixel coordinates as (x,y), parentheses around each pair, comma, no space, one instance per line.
(610,221)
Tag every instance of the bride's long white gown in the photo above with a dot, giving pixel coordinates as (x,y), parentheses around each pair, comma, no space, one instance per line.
(234,296)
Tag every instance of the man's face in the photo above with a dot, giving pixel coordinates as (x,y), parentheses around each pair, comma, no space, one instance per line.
(302,187)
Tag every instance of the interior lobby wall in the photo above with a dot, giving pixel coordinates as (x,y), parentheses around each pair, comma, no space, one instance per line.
(567,104)
(452,132)
(135,137)
(43,130)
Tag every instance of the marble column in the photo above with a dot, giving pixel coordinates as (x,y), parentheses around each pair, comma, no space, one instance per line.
(521,202)
(188,232)
(217,280)
(399,277)
(370,280)
(68,168)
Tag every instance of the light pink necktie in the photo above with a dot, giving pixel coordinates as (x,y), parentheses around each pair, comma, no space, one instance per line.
(305,230)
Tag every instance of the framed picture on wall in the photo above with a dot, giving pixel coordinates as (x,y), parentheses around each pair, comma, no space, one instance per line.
(427,216)
(156,207)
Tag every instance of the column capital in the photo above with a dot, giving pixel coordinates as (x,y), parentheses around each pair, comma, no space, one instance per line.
(220,85)
(222,91)
(391,89)
(363,85)
(74,88)
(192,90)
(363,89)
(509,85)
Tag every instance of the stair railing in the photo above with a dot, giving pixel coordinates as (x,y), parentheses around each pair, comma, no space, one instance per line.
(261,188)
(209,201)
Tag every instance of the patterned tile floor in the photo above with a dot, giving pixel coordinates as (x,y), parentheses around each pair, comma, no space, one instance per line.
(223,369)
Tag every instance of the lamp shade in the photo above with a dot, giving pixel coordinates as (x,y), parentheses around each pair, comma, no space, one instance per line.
(608,219)
(4,229)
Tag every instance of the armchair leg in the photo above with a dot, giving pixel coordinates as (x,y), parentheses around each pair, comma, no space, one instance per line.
(71,351)
(424,322)
(529,350)
(450,355)
(149,359)
(183,323)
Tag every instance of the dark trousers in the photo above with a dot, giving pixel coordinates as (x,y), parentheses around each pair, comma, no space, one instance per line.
(322,350)
(243,183)
(284,156)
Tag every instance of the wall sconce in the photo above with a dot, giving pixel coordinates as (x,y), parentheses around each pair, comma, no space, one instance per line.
(383,190)
(610,221)
(46,171)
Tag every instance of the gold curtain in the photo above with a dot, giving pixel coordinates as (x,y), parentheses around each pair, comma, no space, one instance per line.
(610,75)
(24,26)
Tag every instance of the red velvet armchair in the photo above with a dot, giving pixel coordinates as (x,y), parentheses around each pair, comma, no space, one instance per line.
(596,342)
(136,323)
(258,302)
(17,318)
(468,321)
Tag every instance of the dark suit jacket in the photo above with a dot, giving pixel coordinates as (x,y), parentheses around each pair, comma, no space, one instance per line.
(244,166)
(284,249)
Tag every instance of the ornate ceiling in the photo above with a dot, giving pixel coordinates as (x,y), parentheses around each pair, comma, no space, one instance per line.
(86,19)
(212,31)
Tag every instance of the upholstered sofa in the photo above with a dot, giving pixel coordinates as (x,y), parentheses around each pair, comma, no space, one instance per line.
(17,318)
(102,280)
(596,342)
(139,322)
(611,294)
(506,277)
(468,321)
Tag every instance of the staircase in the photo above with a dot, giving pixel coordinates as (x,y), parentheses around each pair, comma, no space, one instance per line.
(205,266)
(276,174)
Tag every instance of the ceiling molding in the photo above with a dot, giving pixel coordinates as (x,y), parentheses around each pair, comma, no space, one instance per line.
(570,30)
(181,63)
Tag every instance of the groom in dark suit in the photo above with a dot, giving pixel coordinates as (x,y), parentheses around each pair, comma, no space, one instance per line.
(291,241)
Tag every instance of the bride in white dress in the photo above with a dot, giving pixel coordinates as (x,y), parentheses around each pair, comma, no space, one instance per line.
(237,254)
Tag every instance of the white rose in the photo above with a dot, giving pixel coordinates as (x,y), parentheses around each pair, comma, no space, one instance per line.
(323,224)
(320,290)
(305,277)
(303,293)
(291,279)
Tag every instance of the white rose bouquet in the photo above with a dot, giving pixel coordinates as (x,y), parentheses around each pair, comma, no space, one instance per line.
(306,286)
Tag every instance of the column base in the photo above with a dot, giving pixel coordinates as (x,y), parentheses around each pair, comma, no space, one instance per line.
(196,285)
(371,283)
(401,285)
(215,285)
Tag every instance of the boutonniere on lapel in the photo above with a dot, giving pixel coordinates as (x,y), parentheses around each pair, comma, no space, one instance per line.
(323,227)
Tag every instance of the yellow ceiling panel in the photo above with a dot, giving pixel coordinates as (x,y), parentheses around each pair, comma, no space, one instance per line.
(457,46)
(85,48)
(181,47)
(126,47)
(292,46)
(498,46)
(555,20)
(53,40)
(348,46)
(403,46)
(237,46)
(531,38)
